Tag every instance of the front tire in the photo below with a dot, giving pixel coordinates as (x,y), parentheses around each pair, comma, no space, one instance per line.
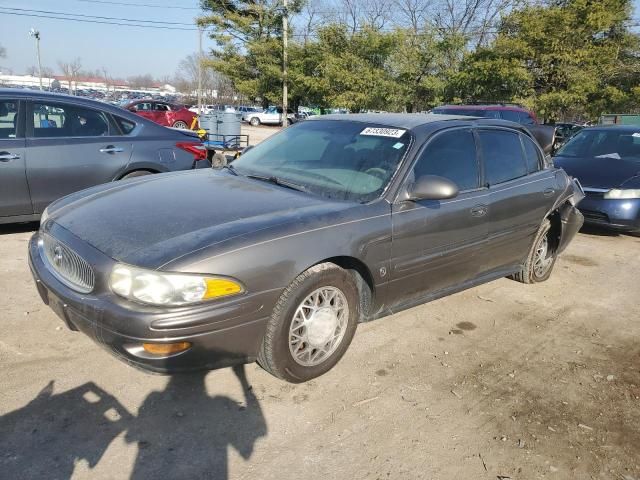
(541,258)
(255,122)
(312,324)
(181,125)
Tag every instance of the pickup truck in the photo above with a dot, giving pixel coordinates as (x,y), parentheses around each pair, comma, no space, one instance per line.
(544,134)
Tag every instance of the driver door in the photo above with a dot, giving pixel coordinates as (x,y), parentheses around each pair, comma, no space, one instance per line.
(438,244)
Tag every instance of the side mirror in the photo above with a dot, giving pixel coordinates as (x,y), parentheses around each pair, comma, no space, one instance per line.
(432,187)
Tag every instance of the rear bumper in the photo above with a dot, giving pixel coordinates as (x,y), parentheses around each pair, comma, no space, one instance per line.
(621,215)
(572,221)
(221,334)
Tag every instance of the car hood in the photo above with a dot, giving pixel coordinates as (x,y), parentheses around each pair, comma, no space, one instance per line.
(598,172)
(152,221)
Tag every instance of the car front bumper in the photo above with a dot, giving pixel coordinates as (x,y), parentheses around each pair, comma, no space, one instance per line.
(221,334)
(622,215)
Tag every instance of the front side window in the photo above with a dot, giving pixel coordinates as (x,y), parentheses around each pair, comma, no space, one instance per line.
(60,120)
(451,155)
(8,118)
(340,160)
(502,156)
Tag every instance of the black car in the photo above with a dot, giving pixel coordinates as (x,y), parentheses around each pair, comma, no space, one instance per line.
(338,220)
(606,160)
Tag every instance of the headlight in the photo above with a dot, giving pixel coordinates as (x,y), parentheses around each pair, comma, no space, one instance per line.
(44,216)
(618,194)
(171,289)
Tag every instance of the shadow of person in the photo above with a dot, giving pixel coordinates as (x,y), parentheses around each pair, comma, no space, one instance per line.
(49,435)
(182,432)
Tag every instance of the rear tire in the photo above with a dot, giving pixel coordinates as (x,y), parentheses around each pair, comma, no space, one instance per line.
(255,122)
(541,258)
(137,173)
(312,324)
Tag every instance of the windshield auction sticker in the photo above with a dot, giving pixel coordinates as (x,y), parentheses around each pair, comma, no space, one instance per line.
(383,132)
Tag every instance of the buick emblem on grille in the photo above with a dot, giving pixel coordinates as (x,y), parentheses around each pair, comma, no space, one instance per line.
(58,256)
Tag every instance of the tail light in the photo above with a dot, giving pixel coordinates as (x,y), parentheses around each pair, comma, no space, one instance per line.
(196,149)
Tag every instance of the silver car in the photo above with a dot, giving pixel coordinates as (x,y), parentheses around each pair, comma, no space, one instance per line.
(52,145)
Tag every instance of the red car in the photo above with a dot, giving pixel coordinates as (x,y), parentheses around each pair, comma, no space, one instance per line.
(166,114)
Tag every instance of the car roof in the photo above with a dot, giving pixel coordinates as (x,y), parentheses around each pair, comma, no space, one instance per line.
(411,121)
(621,128)
(496,106)
(19,93)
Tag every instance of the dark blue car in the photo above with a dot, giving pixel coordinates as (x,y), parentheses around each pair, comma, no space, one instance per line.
(606,160)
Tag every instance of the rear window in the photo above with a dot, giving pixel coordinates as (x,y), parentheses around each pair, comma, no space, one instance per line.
(468,112)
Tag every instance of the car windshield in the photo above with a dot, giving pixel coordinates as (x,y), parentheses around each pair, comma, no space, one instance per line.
(340,160)
(613,144)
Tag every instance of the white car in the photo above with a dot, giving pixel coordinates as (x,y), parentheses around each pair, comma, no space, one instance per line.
(271,116)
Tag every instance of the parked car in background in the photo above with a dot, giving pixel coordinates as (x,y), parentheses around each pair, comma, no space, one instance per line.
(162,113)
(564,131)
(335,221)
(244,110)
(606,160)
(52,145)
(544,134)
(270,116)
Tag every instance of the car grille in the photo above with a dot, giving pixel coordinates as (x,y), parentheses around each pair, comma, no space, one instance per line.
(69,267)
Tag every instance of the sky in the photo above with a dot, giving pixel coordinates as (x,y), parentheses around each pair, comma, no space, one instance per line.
(123,50)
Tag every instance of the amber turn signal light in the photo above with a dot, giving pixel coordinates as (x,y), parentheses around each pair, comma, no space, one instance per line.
(166,348)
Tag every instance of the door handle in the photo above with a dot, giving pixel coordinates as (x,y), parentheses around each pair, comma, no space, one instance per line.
(548,192)
(111,149)
(479,211)
(7,157)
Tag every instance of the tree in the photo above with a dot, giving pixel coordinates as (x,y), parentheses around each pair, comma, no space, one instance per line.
(141,81)
(71,71)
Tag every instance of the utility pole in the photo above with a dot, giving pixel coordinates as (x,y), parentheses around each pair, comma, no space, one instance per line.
(36,34)
(200,72)
(285,34)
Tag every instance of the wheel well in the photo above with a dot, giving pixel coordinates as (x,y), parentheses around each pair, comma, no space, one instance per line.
(364,281)
(556,226)
(138,170)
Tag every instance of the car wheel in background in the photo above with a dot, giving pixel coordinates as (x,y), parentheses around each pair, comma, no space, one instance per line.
(137,173)
(255,121)
(180,124)
(541,259)
(312,324)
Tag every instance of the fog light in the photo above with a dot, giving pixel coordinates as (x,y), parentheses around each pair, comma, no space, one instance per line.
(166,348)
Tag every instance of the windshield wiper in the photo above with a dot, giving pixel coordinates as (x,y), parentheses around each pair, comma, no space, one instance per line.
(280,182)
(231,169)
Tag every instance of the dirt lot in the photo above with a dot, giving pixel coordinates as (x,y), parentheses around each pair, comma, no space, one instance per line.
(501,381)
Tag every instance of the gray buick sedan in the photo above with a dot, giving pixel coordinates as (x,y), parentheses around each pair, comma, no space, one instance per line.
(277,257)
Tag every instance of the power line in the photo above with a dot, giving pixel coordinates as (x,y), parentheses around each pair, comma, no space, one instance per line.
(129,4)
(33,15)
(48,12)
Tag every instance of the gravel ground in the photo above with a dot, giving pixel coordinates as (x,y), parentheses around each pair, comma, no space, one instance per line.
(500,381)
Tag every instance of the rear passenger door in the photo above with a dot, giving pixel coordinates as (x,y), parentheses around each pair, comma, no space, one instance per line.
(440,244)
(521,193)
(70,147)
(14,191)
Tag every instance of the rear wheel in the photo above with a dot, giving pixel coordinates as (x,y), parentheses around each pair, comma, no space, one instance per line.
(312,324)
(180,124)
(541,259)
(255,121)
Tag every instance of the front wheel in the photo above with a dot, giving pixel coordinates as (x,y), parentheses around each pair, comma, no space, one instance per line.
(312,324)
(541,259)
(180,124)
(255,122)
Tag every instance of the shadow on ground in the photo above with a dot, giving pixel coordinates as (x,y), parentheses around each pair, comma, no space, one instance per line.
(10,228)
(180,432)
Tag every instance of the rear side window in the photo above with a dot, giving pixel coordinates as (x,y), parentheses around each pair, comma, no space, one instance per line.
(8,118)
(532,155)
(126,126)
(526,119)
(451,155)
(502,155)
(511,115)
(62,120)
